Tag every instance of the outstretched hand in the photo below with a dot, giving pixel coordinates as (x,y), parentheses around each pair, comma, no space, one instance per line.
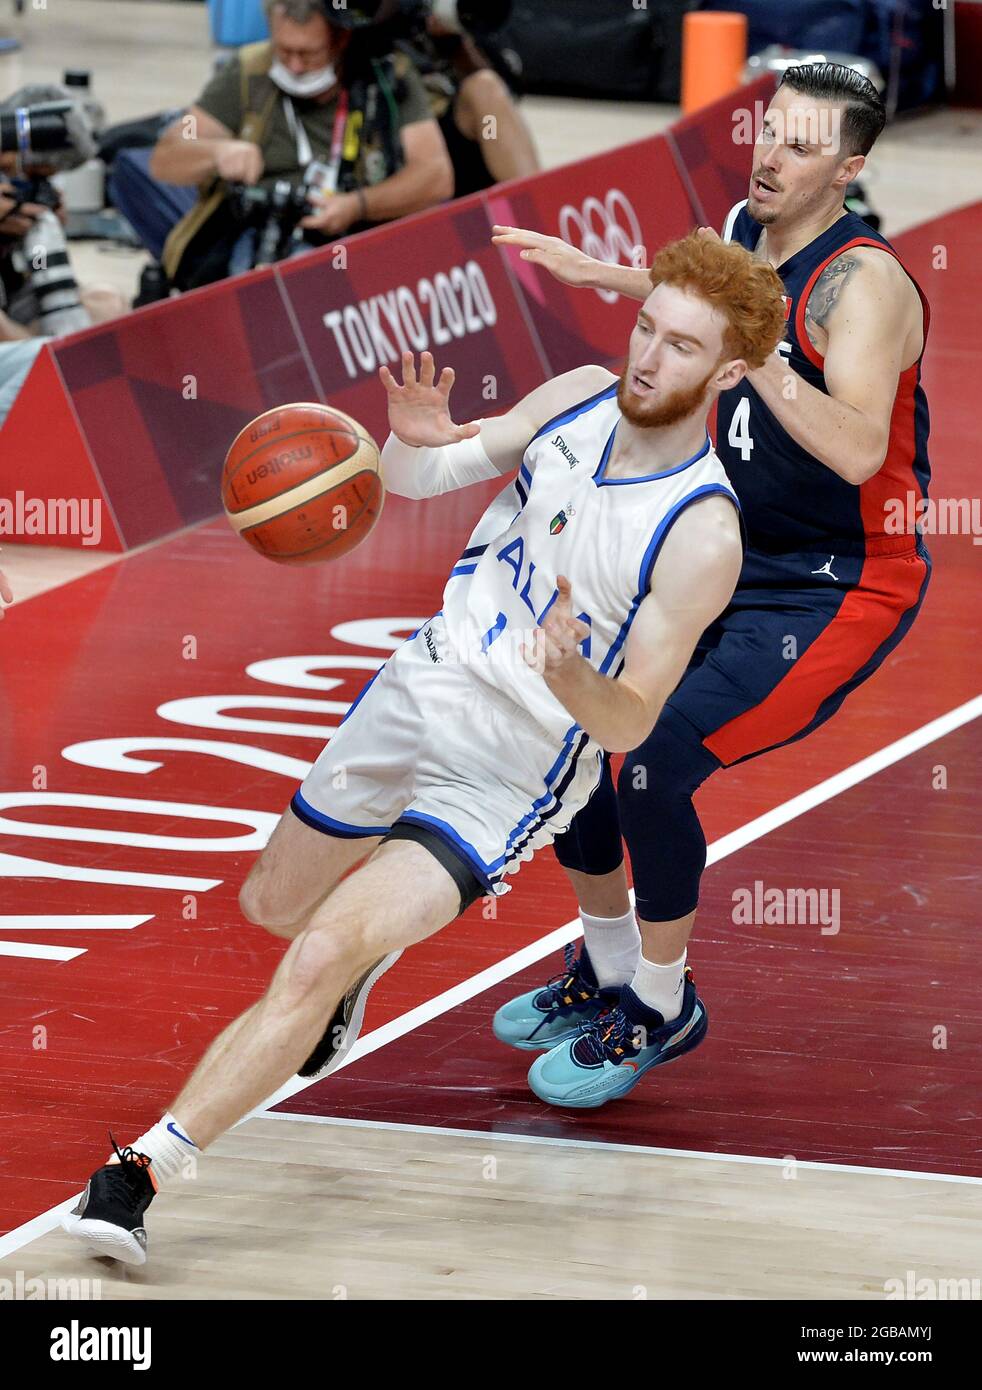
(419,410)
(566,263)
(556,643)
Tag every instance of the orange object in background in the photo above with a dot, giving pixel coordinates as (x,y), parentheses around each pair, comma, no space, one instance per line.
(714,51)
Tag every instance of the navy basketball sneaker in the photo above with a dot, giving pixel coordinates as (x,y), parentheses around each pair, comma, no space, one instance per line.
(610,1055)
(553,1012)
(109,1218)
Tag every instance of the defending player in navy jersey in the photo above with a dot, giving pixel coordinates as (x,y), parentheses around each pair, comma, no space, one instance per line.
(820,443)
(568,620)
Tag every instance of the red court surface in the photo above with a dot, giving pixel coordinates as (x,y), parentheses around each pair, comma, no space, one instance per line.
(820,1046)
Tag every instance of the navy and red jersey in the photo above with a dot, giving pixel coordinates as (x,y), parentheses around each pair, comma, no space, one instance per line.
(790,499)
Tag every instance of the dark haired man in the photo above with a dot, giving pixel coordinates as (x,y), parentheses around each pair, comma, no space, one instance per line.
(817,442)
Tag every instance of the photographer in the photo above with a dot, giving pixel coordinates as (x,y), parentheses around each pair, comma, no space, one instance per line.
(469,84)
(314,95)
(18,348)
(42,132)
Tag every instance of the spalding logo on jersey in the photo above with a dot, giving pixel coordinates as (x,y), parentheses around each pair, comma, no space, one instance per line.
(565,450)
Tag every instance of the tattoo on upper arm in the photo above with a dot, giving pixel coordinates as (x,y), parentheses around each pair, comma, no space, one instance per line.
(826,293)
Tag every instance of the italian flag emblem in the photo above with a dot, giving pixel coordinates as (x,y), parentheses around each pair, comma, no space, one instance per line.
(557,523)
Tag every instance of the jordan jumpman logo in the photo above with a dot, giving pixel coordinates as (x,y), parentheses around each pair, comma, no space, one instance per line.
(827,568)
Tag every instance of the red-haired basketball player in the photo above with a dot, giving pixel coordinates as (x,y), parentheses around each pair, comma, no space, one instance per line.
(568,620)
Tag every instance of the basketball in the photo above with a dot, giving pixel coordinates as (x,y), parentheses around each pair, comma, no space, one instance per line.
(301,483)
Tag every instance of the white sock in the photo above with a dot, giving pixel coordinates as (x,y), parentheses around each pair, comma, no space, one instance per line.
(614,946)
(660,986)
(167,1145)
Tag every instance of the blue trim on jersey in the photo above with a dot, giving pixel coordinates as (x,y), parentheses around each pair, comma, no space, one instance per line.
(540,802)
(651,555)
(367,687)
(573,411)
(538,815)
(541,618)
(369,683)
(605,455)
(523,484)
(473,550)
(461,569)
(601,481)
(317,820)
(655,545)
(489,873)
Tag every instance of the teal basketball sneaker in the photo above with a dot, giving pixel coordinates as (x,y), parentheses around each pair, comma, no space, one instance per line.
(611,1054)
(554,1012)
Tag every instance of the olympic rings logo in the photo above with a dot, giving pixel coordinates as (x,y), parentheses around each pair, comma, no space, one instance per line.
(607,231)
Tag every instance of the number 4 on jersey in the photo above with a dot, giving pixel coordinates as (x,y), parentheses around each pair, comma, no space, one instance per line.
(739,434)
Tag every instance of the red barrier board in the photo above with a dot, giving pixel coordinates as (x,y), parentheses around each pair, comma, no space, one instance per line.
(136,414)
(619,207)
(435,283)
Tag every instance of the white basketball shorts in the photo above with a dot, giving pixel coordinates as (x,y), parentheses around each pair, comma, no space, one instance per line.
(428,744)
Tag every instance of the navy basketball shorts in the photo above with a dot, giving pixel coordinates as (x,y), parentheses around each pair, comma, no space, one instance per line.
(801,632)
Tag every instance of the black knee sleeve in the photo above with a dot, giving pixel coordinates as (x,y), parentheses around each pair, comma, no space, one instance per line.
(468,884)
(659,822)
(592,844)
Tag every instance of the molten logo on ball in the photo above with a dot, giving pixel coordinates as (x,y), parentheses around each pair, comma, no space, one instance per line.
(279,461)
(285,502)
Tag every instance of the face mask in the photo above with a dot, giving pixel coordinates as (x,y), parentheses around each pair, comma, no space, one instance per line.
(303,84)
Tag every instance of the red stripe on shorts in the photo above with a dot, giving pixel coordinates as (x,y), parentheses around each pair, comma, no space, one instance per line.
(889,585)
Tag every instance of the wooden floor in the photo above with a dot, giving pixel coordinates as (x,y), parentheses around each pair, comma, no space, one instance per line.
(308,1210)
(817,1147)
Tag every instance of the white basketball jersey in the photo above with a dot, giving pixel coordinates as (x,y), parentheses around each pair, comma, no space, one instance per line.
(562,516)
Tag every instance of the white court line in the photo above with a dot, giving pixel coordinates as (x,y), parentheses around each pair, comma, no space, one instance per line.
(34,1229)
(719,849)
(75,921)
(599,1145)
(528,955)
(35,951)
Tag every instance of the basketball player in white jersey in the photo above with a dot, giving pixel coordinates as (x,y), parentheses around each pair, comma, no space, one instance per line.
(567,622)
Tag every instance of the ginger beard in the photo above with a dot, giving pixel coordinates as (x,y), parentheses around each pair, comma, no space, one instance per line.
(656,414)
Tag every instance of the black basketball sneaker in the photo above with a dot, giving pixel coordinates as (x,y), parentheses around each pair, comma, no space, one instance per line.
(345,1023)
(109,1218)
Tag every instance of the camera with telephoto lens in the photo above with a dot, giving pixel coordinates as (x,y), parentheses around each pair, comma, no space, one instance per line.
(35,189)
(55,132)
(50,132)
(274,213)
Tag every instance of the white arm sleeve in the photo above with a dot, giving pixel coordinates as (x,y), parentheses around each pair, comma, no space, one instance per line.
(418,473)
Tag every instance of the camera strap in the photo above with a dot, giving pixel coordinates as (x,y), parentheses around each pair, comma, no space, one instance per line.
(304,152)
